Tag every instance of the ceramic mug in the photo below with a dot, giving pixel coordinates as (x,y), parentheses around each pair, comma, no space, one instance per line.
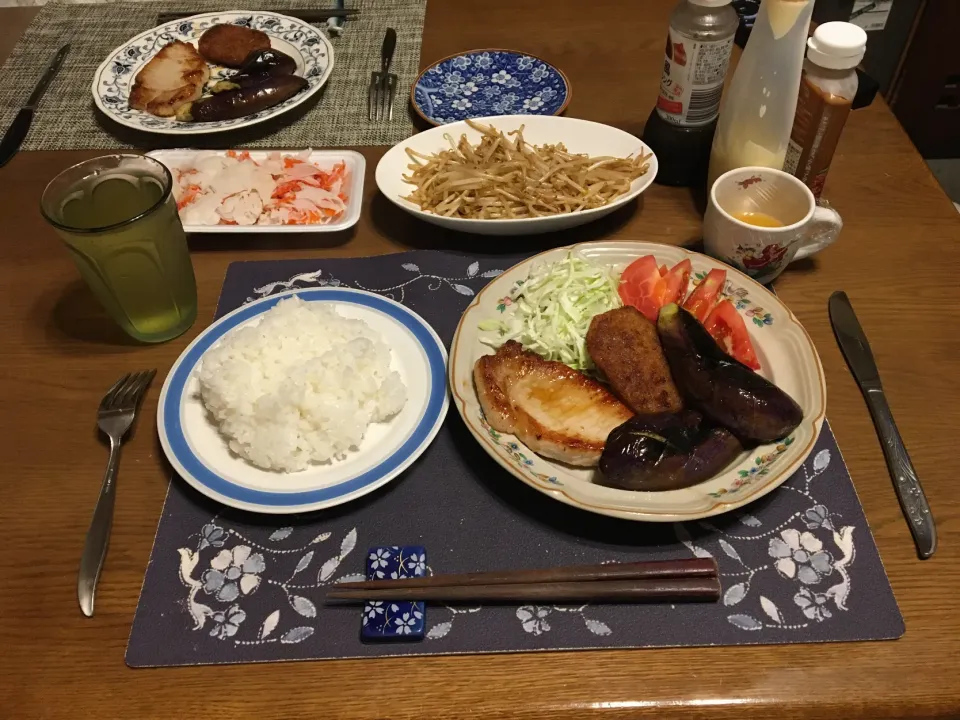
(759,220)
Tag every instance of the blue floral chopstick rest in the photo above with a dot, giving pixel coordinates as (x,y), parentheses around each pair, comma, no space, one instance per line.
(388,620)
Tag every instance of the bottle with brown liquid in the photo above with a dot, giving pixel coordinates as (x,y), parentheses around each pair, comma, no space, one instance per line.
(827,88)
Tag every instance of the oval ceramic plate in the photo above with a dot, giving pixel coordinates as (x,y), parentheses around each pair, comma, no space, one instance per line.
(580,136)
(114,78)
(488,82)
(202,457)
(783,347)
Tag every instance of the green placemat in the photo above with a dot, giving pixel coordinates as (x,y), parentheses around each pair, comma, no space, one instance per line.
(68,120)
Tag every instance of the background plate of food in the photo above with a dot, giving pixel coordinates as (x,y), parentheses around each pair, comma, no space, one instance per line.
(239,191)
(163,80)
(303,400)
(638,380)
(483,177)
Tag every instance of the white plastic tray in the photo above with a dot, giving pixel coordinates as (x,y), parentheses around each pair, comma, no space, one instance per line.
(325,159)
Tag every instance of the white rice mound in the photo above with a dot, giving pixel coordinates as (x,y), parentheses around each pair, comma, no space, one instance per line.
(300,387)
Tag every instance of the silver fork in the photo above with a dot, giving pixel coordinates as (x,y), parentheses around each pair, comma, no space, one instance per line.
(383,84)
(118,409)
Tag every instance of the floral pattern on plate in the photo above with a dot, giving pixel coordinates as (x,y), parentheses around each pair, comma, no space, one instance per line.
(513,449)
(760,468)
(114,79)
(482,83)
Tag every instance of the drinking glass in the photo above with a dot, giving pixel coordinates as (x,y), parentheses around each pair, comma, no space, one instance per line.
(117,216)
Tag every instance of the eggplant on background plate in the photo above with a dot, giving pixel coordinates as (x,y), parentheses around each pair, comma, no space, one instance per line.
(243,99)
(265,79)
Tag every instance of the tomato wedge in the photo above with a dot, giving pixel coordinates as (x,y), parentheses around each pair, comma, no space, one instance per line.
(663,271)
(642,287)
(726,326)
(677,279)
(706,294)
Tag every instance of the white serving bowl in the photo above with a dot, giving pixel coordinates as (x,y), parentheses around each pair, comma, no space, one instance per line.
(579,136)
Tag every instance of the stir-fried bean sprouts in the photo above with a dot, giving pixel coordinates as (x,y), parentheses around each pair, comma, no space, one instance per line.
(505,177)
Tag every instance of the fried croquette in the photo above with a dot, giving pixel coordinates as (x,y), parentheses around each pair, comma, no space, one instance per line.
(229,45)
(625,347)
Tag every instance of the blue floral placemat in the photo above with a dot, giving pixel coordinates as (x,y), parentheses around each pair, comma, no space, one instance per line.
(225,587)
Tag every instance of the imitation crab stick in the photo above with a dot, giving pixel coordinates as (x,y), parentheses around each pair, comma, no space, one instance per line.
(234,189)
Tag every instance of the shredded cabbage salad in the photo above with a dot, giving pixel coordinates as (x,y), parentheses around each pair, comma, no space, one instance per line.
(550,312)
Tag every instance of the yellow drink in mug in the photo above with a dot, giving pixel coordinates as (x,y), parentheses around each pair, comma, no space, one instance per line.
(117,216)
(760,219)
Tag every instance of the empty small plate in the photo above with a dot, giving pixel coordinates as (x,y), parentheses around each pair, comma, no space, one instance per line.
(481,83)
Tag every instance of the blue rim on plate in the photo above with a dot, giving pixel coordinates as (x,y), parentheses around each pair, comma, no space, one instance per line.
(487,82)
(114,79)
(195,472)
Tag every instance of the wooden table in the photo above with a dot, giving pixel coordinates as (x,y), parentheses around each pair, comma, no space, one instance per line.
(898,259)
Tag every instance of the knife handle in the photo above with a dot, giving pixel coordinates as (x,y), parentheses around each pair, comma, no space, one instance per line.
(386,50)
(905,481)
(15,135)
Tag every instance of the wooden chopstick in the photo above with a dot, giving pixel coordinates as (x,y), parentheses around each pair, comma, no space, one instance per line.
(649,569)
(704,589)
(308,16)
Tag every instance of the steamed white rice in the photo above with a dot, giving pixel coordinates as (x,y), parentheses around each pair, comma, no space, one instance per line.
(300,387)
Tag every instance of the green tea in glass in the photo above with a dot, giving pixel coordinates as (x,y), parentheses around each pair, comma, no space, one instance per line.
(119,220)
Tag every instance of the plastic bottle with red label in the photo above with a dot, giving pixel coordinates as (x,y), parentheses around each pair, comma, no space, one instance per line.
(828,87)
(680,128)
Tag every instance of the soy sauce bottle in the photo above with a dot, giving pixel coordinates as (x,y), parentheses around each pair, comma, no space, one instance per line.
(680,128)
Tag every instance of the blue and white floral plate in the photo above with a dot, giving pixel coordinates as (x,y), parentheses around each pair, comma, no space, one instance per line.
(481,83)
(787,355)
(113,80)
(201,456)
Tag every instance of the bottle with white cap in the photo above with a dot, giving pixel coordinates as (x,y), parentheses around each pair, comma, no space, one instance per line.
(827,89)
(680,127)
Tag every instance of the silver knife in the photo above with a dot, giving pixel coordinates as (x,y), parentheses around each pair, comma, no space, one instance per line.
(20,126)
(856,350)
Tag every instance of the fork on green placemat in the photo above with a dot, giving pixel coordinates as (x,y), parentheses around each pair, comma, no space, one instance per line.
(383,84)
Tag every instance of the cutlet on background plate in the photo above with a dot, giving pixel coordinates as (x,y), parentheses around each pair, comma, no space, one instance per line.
(173,77)
(229,45)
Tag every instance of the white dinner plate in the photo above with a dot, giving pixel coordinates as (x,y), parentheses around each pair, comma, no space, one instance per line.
(579,136)
(355,163)
(786,353)
(202,457)
(113,80)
